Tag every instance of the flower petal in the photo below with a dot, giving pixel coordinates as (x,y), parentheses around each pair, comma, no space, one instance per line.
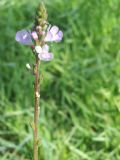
(48,37)
(60,34)
(38,49)
(58,37)
(45,56)
(24,37)
(45,48)
(54,30)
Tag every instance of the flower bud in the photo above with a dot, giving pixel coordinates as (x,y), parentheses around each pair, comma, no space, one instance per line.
(42,33)
(28,66)
(37,94)
(38,28)
(34,35)
(32,47)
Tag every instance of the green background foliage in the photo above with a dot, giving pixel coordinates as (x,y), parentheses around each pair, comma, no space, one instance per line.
(80,91)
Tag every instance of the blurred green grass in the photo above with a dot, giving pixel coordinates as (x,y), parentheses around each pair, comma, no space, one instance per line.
(80,93)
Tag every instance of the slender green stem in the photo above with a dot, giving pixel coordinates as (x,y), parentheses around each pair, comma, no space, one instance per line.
(36,108)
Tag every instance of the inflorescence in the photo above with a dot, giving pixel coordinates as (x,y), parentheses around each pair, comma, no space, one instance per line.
(41,34)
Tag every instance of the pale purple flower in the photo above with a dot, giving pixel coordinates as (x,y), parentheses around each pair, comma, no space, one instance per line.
(54,35)
(24,37)
(34,35)
(43,53)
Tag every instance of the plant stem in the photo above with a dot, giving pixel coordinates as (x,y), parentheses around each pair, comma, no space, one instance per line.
(36,108)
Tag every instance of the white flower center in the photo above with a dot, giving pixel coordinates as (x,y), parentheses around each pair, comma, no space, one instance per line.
(25,36)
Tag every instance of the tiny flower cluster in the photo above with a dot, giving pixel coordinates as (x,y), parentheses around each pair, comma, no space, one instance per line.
(38,40)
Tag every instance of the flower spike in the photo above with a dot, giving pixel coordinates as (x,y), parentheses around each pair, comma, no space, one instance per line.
(37,39)
(40,35)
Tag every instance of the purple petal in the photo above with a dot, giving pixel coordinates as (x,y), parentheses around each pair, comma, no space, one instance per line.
(58,37)
(54,30)
(24,37)
(45,48)
(46,56)
(48,37)
(60,34)
(55,38)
